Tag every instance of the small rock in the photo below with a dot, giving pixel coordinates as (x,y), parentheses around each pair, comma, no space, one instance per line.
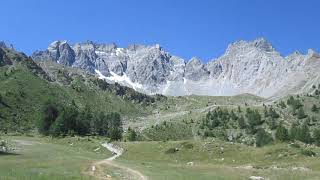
(257,178)
(190,163)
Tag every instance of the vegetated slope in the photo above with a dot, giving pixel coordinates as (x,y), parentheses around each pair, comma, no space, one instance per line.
(177,117)
(238,119)
(25,87)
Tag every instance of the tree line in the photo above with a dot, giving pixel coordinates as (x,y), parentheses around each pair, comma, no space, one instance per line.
(59,120)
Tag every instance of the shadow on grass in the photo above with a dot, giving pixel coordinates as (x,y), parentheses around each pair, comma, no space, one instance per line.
(8,154)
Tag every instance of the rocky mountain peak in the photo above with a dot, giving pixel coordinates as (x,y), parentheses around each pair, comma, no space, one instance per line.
(194,61)
(312,53)
(262,44)
(5,45)
(246,67)
(259,44)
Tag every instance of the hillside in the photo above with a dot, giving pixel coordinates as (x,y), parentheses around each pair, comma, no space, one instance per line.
(25,86)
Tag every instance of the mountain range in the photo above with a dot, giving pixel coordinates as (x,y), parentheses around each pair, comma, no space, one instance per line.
(253,67)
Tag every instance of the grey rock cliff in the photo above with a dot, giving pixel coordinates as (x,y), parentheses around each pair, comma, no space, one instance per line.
(246,67)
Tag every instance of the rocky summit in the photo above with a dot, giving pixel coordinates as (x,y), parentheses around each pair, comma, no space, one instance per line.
(253,67)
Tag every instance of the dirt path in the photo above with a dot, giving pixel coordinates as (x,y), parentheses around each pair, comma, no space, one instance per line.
(97,170)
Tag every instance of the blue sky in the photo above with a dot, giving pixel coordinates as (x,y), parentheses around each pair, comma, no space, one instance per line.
(186,28)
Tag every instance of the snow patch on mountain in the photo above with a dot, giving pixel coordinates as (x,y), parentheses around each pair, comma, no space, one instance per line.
(124,79)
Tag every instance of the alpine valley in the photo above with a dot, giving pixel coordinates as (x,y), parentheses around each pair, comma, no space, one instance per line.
(97,111)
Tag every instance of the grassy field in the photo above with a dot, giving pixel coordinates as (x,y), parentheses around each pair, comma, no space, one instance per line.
(158,160)
(71,158)
(45,158)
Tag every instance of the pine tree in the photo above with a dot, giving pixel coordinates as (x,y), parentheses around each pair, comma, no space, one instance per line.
(282,133)
(132,135)
(315,108)
(254,119)
(50,113)
(242,123)
(282,105)
(115,126)
(294,131)
(316,136)
(304,133)
(273,113)
(263,138)
(301,114)
(239,109)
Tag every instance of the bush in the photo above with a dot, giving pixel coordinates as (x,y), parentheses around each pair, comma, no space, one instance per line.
(3,146)
(308,152)
(295,145)
(172,150)
(187,145)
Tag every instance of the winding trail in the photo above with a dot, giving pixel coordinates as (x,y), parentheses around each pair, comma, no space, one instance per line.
(117,151)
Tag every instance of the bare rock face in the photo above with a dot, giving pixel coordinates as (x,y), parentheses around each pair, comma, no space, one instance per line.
(246,67)
(195,70)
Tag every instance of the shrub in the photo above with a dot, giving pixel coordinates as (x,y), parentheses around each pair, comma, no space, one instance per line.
(3,146)
(308,152)
(187,145)
(295,145)
(171,151)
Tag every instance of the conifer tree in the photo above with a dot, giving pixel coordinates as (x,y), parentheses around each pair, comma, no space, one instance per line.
(282,133)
